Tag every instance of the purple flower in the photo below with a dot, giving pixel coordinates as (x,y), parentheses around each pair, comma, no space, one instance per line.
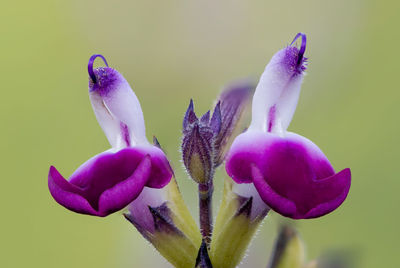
(290,173)
(112,179)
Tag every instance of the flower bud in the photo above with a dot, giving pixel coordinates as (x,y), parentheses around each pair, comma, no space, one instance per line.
(198,143)
(205,141)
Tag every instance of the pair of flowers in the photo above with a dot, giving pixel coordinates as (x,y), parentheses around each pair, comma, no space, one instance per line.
(289,172)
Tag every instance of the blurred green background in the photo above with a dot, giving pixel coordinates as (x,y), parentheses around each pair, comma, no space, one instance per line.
(171,51)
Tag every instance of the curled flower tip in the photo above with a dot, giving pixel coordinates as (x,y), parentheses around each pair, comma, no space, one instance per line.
(302,46)
(90,65)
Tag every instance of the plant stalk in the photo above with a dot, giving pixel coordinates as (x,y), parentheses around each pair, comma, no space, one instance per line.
(205,210)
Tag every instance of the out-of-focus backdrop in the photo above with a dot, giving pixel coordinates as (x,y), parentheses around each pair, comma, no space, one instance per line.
(171,51)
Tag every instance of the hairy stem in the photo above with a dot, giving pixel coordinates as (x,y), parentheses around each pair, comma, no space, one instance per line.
(205,210)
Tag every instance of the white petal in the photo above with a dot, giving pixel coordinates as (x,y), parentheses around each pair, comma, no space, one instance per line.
(117,109)
(110,126)
(124,105)
(277,92)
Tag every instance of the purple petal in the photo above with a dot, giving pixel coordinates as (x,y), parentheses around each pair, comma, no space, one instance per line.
(161,171)
(97,183)
(126,191)
(288,171)
(243,153)
(67,195)
(279,203)
(340,182)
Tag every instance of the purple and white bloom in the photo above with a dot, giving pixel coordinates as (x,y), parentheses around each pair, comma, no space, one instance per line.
(111,180)
(291,174)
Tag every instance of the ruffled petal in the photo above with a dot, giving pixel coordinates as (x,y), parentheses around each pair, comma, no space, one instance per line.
(161,171)
(291,173)
(68,195)
(337,187)
(275,201)
(123,193)
(110,181)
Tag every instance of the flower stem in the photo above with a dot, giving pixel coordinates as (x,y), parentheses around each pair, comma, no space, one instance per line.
(205,210)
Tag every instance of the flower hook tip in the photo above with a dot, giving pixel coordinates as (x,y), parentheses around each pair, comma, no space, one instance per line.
(90,65)
(302,46)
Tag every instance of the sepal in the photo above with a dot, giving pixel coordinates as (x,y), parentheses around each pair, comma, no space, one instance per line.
(171,242)
(198,144)
(289,250)
(164,220)
(235,226)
